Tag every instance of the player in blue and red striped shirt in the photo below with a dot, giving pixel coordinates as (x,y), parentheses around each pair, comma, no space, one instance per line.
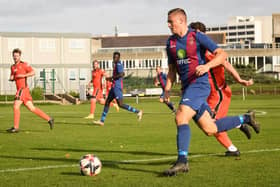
(161,81)
(116,91)
(186,56)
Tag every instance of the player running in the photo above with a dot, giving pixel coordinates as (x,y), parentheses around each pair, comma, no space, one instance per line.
(161,80)
(116,91)
(97,95)
(220,95)
(20,71)
(186,56)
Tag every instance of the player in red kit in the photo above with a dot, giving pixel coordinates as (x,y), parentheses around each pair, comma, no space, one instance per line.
(20,71)
(97,95)
(220,95)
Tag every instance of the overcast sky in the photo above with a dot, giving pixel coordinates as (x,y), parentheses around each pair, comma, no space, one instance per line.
(131,16)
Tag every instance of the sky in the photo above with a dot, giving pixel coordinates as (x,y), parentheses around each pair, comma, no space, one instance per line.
(99,17)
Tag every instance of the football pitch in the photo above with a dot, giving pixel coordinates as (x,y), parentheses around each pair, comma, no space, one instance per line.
(135,153)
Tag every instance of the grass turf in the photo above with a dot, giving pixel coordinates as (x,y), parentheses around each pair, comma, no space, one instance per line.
(123,138)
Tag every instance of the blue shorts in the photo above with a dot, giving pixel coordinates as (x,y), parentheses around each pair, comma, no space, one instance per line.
(115,93)
(195,96)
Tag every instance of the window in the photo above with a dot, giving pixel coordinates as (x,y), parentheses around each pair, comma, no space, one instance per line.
(15,43)
(241,27)
(215,28)
(232,27)
(72,74)
(250,26)
(232,34)
(232,40)
(83,74)
(47,44)
(76,44)
(250,32)
(223,28)
(241,33)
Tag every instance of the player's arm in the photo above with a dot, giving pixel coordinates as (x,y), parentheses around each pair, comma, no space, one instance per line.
(28,74)
(230,69)
(12,77)
(171,77)
(220,55)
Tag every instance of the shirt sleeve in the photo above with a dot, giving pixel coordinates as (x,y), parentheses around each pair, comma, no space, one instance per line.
(206,42)
(27,68)
(119,68)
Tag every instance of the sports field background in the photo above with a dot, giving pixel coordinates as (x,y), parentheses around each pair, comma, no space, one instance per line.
(132,153)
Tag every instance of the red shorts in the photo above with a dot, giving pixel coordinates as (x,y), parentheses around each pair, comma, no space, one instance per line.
(219,102)
(97,93)
(23,94)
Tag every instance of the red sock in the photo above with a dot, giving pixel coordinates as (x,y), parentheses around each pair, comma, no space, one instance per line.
(223,138)
(92,106)
(40,113)
(16,117)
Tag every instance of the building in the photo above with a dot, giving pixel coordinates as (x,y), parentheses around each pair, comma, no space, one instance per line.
(61,60)
(246,29)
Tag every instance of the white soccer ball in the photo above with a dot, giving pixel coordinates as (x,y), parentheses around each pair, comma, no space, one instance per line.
(90,165)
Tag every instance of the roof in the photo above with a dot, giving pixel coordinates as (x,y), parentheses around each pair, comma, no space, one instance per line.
(45,34)
(146,41)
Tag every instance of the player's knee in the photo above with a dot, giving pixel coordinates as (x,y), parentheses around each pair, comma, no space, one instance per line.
(210,132)
(16,107)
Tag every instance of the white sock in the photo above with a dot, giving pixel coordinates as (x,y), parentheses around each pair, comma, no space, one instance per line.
(238,127)
(232,148)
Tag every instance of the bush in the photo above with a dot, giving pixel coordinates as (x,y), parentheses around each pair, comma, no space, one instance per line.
(37,93)
(74,94)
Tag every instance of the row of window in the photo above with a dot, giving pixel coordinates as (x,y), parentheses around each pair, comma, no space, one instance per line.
(240,33)
(241,39)
(224,28)
(131,64)
(73,75)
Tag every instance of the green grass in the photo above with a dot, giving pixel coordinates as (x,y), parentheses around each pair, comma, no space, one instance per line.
(123,138)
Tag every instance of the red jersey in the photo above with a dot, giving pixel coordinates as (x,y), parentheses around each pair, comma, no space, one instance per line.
(19,69)
(97,75)
(108,85)
(218,73)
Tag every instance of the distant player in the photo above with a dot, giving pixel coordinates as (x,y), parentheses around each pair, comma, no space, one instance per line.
(20,71)
(97,95)
(186,56)
(116,91)
(220,94)
(161,80)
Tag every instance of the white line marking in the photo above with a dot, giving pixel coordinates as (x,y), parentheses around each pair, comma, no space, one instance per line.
(131,161)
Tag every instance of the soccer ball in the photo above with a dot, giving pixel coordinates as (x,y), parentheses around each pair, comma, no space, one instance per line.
(90,165)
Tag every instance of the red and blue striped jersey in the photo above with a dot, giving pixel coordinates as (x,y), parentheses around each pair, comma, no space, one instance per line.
(162,79)
(187,53)
(118,68)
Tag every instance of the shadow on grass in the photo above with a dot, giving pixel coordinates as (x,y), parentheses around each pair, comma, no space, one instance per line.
(103,151)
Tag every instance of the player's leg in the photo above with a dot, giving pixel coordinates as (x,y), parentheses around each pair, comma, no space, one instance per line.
(106,108)
(112,104)
(221,110)
(16,108)
(92,104)
(119,97)
(40,113)
(183,116)
(210,127)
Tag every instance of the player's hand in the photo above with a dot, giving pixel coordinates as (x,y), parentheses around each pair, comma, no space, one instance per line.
(166,96)
(246,83)
(201,70)
(21,76)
